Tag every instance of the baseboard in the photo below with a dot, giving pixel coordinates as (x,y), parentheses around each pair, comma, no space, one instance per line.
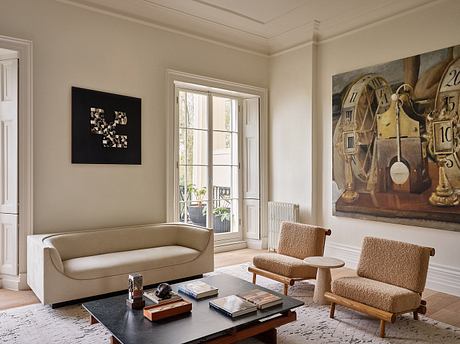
(443,278)
(14,282)
(230,246)
(258,244)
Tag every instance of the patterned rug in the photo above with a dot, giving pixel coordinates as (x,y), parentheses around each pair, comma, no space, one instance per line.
(70,325)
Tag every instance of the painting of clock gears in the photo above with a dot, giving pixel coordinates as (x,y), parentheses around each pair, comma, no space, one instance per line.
(396,141)
(106,128)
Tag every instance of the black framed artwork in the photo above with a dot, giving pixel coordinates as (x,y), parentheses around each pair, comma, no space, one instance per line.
(106,128)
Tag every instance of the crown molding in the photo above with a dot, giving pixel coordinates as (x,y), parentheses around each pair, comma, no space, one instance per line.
(264,44)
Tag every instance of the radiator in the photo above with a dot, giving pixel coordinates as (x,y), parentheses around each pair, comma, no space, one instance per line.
(277,213)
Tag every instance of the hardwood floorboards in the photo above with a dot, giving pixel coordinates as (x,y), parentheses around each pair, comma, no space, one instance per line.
(442,307)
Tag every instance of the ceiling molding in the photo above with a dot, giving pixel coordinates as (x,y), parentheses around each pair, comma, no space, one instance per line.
(243,28)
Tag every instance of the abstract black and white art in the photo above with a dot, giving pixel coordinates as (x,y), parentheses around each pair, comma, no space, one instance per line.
(106,128)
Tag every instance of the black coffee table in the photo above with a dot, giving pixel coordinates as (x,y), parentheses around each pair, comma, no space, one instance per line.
(203,324)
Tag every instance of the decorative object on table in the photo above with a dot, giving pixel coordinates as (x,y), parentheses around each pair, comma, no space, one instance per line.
(198,289)
(162,311)
(297,241)
(135,291)
(391,279)
(396,134)
(261,299)
(163,291)
(151,295)
(106,128)
(233,306)
(323,275)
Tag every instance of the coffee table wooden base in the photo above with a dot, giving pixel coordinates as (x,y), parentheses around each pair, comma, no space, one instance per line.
(264,331)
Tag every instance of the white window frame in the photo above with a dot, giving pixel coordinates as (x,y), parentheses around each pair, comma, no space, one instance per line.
(221,237)
(232,90)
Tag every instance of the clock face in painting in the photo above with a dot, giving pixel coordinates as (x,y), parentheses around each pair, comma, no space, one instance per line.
(446,133)
(366,98)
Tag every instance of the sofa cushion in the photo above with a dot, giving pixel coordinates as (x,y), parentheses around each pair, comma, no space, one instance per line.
(284,265)
(125,262)
(377,294)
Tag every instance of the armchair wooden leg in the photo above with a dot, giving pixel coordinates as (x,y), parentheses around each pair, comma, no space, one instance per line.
(286,286)
(415,315)
(382,328)
(254,277)
(332,311)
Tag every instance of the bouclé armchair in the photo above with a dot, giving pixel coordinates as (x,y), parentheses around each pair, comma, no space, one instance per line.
(391,278)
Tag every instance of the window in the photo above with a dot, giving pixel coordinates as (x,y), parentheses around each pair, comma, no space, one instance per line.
(211,168)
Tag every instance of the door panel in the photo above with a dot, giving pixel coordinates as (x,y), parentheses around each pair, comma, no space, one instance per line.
(8,136)
(8,244)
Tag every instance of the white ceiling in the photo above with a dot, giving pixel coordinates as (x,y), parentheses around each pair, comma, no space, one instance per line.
(263,26)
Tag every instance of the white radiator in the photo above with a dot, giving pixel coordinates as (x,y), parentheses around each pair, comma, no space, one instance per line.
(277,213)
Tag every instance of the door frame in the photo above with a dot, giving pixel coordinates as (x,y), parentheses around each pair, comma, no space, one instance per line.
(173,77)
(25,156)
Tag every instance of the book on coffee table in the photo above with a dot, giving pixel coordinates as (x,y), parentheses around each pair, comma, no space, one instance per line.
(262,299)
(233,306)
(150,294)
(198,289)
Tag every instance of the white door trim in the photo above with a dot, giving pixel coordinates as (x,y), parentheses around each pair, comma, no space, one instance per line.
(173,76)
(25,146)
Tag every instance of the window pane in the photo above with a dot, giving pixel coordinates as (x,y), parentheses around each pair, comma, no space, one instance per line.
(234,148)
(197,183)
(222,143)
(197,110)
(225,183)
(197,147)
(182,109)
(224,113)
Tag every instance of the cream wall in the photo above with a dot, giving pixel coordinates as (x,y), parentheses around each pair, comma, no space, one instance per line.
(290,146)
(423,30)
(77,47)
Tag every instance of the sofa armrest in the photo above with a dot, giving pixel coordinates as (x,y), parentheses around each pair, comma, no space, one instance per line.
(194,237)
(43,261)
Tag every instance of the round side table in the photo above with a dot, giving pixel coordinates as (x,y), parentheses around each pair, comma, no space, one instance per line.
(323,275)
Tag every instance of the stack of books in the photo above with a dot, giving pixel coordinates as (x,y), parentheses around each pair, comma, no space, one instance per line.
(245,303)
(198,290)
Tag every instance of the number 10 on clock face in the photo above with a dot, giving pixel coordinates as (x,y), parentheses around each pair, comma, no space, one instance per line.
(443,134)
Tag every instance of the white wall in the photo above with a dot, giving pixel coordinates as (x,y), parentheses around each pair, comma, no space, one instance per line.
(77,47)
(423,30)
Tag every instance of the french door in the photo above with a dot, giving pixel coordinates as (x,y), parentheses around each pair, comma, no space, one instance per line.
(208,174)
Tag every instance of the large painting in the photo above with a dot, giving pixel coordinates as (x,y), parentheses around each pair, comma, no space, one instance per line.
(106,128)
(396,141)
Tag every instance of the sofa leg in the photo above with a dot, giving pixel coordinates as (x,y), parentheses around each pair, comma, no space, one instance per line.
(382,328)
(286,286)
(254,277)
(415,315)
(332,310)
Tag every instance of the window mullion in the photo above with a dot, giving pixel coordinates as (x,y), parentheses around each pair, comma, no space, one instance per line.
(210,163)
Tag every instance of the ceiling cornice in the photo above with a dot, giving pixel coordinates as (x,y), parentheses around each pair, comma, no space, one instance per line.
(263,44)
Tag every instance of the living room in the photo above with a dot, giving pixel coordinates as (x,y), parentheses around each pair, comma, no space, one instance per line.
(230,116)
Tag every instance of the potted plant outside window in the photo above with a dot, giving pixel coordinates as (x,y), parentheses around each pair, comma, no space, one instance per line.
(196,209)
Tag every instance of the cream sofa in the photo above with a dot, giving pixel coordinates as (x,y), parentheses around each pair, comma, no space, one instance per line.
(75,265)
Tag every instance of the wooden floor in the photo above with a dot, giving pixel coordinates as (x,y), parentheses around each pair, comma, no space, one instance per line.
(441,306)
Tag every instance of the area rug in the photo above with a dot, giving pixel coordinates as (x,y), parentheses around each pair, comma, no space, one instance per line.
(70,325)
